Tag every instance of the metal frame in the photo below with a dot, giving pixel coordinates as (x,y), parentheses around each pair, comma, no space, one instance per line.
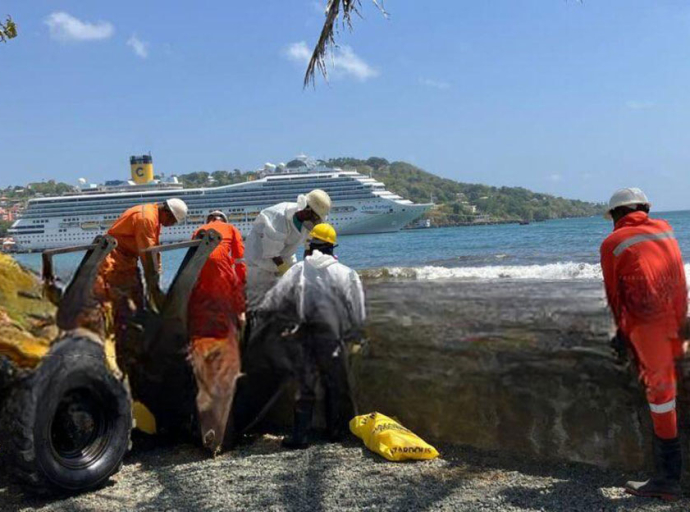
(163,377)
(159,371)
(176,301)
(79,292)
(170,247)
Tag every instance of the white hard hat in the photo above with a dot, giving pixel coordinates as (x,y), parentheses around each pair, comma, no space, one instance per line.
(178,208)
(626,197)
(218,213)
(320,202)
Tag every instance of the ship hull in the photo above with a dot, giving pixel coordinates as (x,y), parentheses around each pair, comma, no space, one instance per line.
(395,218)
(361,205)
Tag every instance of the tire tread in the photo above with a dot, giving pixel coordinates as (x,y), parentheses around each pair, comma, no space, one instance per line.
(17,419)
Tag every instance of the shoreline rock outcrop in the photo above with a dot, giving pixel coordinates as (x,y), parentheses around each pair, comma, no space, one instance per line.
(520,367)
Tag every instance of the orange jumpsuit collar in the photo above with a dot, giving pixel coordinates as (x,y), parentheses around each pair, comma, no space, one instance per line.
(631,219)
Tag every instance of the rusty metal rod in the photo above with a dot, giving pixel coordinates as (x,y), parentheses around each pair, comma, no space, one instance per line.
(75,248)
(170,247)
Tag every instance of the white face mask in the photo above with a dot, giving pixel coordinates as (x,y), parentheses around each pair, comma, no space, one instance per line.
(307,226)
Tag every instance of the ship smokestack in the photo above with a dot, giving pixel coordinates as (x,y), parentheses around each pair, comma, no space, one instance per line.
(142,169)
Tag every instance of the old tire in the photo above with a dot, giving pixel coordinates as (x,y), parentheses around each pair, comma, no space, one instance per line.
(66,426)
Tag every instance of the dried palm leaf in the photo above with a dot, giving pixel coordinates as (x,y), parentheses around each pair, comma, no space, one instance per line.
(327,37)
(8,30)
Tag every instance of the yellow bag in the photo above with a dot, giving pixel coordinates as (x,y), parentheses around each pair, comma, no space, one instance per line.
(390,439)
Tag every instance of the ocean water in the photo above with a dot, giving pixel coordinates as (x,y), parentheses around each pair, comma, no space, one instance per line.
(551,250)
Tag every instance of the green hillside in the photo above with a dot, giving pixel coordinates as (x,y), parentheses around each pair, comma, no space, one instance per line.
(42,188)
(217,178)
(460,203)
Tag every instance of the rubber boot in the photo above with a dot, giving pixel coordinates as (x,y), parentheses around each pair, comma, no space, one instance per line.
(299,439)
(336,424)
(333,430)
(669,465)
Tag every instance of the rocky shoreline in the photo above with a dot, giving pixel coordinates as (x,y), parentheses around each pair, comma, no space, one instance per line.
(460,363)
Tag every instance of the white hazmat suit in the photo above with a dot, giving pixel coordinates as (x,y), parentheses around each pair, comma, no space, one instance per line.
(303,326)
(324,301)
(323,292)
(273,235)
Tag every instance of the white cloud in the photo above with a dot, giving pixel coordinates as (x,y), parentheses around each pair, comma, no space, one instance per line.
(298,52)
(139,47)
(343,61)
(640,105)
(65,27)
(436,84)
(555,177)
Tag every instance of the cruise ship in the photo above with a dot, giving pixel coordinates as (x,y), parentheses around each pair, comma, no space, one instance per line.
(361,204)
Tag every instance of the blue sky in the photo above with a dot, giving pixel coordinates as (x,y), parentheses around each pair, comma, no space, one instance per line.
(569,98)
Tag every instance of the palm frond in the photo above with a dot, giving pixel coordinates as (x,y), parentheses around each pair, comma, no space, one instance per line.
(328,32)
(8,30)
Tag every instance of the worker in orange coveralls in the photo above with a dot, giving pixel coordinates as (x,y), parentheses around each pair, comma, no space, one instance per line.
(119,290)
(646,290)
(216,311)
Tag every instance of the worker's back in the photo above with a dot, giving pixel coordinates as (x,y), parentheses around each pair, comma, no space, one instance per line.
(644,271)
(222,277)
(273,235)
(137,228)
(231,247)
(322,293)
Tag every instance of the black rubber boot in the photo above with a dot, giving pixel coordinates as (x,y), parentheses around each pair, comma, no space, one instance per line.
(299,439)
(669,466)
(339,406)
(335,427)
(339,410)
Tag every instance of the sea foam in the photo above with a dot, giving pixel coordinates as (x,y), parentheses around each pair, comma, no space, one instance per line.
(548,272)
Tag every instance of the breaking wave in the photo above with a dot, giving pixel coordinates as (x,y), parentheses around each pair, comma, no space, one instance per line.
(548,272)
(552,271)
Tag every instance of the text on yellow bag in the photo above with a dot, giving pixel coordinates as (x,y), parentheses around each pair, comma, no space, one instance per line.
(388,438)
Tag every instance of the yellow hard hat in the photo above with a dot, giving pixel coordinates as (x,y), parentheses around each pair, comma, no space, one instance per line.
(325,233)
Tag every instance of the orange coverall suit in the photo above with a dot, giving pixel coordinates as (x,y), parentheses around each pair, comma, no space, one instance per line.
(215,306)
(119,288)
(646,290)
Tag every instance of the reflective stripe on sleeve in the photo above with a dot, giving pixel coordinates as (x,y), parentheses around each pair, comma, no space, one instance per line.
(663,408)
(641,238)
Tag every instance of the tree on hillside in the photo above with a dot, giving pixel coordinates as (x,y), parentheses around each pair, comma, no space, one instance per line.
(194,179)
(45,188)
(221,177)
(50,188)
(4,226)
(8,29)
(375,162)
